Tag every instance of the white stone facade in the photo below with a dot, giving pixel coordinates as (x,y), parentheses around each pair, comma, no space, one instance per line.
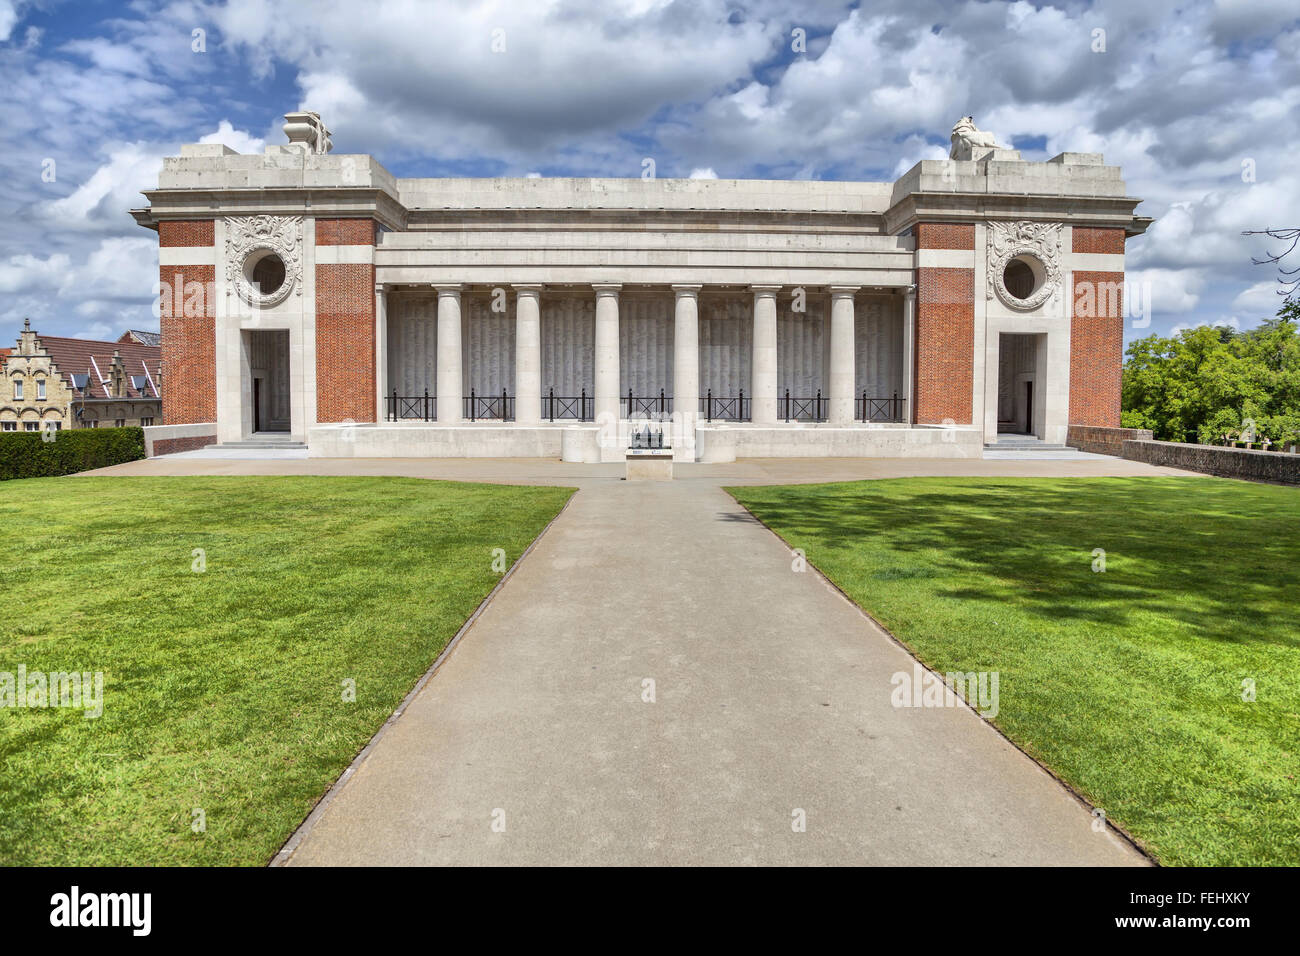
(774,318)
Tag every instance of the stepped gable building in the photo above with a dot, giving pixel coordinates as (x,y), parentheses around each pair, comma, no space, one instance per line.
(317,298)
(56,382)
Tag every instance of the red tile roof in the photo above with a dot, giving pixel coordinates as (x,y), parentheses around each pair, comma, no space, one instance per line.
(81,356)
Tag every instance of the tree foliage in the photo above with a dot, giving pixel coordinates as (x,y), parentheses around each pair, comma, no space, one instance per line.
(1206,382)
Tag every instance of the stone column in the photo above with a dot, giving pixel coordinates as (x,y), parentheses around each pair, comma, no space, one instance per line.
(686,367)
(763,404)
(607,352)
(842,366)
(909,353)
(450,399)
(528,354)
(381,352)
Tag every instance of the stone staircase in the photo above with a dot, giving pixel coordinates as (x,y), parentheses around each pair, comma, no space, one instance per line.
(262,441)
(1023,443)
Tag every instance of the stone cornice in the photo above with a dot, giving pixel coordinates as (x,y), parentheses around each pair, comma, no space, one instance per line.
(379,204)
(1114,212)
(321,203)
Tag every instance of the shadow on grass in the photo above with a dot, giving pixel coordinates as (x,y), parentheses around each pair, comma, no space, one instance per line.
(1218,556)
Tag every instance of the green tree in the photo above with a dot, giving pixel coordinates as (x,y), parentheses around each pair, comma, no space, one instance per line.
(1208,381)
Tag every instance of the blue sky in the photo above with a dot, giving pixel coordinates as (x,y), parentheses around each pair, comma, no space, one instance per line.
(1198,101)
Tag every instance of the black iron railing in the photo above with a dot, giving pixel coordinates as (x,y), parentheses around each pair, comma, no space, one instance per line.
(650,406)
(878,409)
(728,408)
(493,407)
(581,407)
(804,409)
(411,407)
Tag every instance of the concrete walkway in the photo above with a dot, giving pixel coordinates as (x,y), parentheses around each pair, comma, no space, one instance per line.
(771,695)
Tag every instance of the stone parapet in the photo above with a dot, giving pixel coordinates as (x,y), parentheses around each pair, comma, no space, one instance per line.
(1252,465)
(1100,440)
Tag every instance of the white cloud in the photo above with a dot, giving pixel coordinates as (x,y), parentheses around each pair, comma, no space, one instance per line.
(1230,322)
(1187,91)
(101,201)
(28,273)
(705,173)
(8,19)
(119,268)
(1260,299)
(241,141)
(1167,291)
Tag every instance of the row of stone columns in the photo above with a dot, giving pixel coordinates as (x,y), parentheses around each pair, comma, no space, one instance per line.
(686,361)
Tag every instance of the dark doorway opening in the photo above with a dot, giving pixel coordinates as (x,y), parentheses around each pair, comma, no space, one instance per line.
(268,369)
(1020,359)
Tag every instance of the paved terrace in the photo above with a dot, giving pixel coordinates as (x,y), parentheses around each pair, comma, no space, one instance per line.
(772,694)
(754,471)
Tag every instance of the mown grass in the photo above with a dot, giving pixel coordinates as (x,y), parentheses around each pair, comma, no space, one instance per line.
(1128,683)
(224,688)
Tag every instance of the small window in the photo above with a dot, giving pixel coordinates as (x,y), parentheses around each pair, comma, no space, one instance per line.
(18,389)
(119,423)
(9,426)
(93,423)
(40,389)
(53,426)
(268,274)
(146,422)
(31,426)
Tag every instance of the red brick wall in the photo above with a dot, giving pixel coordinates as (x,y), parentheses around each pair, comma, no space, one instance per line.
(186,232)
(345,342)
(345,232)
(189,369)
(945,235)
(1088,239)
(1096,348)
(169,446)
(944,345)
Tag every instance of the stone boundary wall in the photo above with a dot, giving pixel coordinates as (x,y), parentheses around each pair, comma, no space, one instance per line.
(1274,466)
(1103,440)
(169,439)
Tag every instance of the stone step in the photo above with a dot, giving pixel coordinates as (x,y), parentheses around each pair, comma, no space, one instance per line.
(1037,446)
(259,443)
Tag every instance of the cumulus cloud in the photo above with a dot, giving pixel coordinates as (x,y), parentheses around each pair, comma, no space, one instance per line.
(29,273)
(8,19)
(1259,300)
(100,202)
(1197,100)
(1166,291)
(240,140)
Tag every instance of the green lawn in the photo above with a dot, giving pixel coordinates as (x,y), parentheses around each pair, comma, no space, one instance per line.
(223,689)
(1127,683)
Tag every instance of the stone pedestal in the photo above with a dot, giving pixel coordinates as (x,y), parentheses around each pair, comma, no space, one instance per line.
(650,465)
